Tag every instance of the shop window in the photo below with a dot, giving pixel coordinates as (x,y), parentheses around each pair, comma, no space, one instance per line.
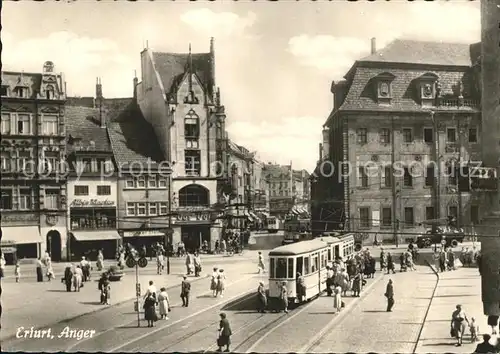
(193,195)
(93,218)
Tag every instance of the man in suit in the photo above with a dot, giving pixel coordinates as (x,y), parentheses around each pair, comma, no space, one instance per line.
(185,289)
(486,347)
(224,333)
(389,294)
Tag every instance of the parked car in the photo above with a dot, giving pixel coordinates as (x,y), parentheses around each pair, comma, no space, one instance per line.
(115,273)
(452,236)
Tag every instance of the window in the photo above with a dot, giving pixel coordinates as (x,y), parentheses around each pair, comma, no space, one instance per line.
(152,183)
(3,90)
(409,221)
(362,136)
(23,162)
(300,265)
(193,195)
(384,89)
(153,209)
(192,144)
(280,268)
(5,161)
(81,190)
(407,178)
(129,182)
(162,183)
(474,214)
(141,182)
(362,177)
(103,190)
(452,175)
(290,268)
(453,211)
(93,219)
(428,135)
(192,162)
(407,135)
(6,199)
(385,136)
(130,209)
(386,216)
(306,266)
(52,161)
(473,135)
(451,135)
(23,124)
(22,92)
(386,176)
(429,213)
(141,209)
(364,217)
(191,128)
(25,199)
(163,208)
(271,268)
(5,123)
(427,90)
(49,125)
(52,199)
(429,176)
(49,92)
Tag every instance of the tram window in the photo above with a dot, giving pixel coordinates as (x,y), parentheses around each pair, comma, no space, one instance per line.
(291,274)
(337,251)
(306,265)
(329,255)
(281,268)
(314,265)
(272,268)
(300,264)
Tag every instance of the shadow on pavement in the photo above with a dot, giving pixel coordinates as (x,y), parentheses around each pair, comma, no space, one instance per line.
(457,286)
(459,295)
(323,313)
(90,303)
(247,302)
(60,291)
(374,311)
(447,344)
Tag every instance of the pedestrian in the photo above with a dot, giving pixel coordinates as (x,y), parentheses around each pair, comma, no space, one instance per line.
(216,247)
(224,333)
(197,264)
(474,330)
(188,264)
(284,296)
(50,270)
(356,285)
(150,310)
(68,277)
(223,247)
(442,261)
(85,265)
(159,263)
(383,260)
(39,270)
(329,280)
(100,287)
(458,320)
(261,266)
(151,290)
(485,346)
(301,287)
(389,294)
(262,298)
(106,290)
(185,290)
(77,278)
(17,272)
(121,260)
(100,261)
(493,323)
(390,264)
(2,265)
(213,281)
(164,304)
(221,282)
(337,298)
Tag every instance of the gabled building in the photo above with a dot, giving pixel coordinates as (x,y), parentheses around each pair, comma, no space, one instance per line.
(405,121)
(178,97)
(33,203)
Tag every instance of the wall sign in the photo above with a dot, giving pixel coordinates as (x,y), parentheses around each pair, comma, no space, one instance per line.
(143,233)
(186,217)
(92,203)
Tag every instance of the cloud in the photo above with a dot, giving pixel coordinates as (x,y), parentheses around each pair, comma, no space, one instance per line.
(78,57)
(218,23)
(290,138)
(437,21)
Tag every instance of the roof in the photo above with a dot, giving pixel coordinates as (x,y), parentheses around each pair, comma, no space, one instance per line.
(83,124)
(172,66)
(132,138)
(298,248)
(329,239)
(422,52)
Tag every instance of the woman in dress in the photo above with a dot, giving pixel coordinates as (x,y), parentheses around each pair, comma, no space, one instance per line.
(150,310)
(221,283)
(337,298)
(68,277)
(100,261)
(262,297)
(106,290)
(356,285)
(284,296)
(50,270)
(77,278)
(2,265)
(164,304)
(213,281)
(458,320)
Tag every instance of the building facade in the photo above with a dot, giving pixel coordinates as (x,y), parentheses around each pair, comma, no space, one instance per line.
(260,202)
(178,98)
(490,225)
(33,146)
(401,130)
(92,182)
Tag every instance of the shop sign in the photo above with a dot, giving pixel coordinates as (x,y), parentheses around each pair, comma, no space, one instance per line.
(142,233)
(92,203)
(194,217)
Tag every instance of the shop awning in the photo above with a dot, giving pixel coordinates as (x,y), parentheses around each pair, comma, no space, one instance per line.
(253,215)
(82,236)
(21,235)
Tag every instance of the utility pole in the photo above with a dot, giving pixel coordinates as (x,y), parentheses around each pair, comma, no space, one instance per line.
(460,131)
(395,224)
(169,233)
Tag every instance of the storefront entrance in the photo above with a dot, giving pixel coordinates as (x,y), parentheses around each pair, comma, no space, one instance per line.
(194,235)
(54,245)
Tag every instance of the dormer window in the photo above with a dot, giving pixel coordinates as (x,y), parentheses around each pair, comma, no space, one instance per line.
(383,84)
(22,92)
(427,88)
(50,92)
(4,90)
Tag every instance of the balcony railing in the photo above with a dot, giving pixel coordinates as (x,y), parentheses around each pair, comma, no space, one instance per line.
(459,102)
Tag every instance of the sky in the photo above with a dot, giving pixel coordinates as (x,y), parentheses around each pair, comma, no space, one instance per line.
(275,61)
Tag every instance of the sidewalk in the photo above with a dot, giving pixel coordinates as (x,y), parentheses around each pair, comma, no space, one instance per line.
(462,286)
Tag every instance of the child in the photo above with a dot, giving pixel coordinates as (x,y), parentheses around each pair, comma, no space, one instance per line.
(337,298)
(474,330)
(17,272)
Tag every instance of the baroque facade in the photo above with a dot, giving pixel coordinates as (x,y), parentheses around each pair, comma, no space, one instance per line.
(401,130)
(33,146)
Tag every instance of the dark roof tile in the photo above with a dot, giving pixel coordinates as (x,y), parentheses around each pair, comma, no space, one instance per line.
(83,124)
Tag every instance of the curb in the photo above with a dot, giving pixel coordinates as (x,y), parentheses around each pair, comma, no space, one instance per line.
(309,347)
(10,337)
(417,343)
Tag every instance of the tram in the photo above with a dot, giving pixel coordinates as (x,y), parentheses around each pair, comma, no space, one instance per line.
(272,224)
(296,229)
(309,258)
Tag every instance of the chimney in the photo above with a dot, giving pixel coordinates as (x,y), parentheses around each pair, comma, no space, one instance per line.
(326,142)
(99,102)
(98,88)
(135,83)
(374,45)
(320,151)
